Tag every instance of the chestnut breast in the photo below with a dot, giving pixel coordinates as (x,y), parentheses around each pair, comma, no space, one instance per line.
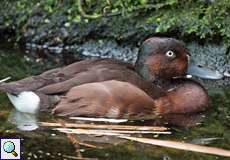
(113,99)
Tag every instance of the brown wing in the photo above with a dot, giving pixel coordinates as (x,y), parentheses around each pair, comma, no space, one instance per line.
(79,71)
(113,99)
(33,83)
(85,65)
(89,76)
(89,71)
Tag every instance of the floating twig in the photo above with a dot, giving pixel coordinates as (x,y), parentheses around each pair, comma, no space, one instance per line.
(105,126)
(5,79)
(88,132)
(89,145)
(100,119)
(108,132)
(73,139)
(180,145)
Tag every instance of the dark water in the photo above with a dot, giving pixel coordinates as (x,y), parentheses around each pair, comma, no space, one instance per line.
(45,143)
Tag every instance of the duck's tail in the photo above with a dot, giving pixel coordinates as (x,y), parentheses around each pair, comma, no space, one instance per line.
(2,84)
(26,101)
(11,87)
(5,87)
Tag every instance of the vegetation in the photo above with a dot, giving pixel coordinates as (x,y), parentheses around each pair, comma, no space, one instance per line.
(202,18)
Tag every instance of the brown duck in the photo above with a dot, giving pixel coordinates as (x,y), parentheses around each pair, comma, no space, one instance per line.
(112,88)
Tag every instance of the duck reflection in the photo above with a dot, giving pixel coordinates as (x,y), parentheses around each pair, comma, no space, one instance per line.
(23,121)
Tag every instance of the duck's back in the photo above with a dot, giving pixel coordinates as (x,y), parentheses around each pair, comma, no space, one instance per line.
(83,71)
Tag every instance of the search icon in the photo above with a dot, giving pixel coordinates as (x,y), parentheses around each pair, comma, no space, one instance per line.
(9,147)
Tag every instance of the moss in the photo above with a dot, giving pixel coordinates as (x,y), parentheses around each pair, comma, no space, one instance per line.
(202,18)
(199,18)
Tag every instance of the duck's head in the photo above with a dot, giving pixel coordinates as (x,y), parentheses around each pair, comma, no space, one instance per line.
(165,58)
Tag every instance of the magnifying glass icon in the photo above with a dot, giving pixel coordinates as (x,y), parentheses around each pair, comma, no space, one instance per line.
(9,147)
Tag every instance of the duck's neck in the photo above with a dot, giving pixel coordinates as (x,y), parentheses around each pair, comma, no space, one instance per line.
(153,85)
(153,81)
(143,71)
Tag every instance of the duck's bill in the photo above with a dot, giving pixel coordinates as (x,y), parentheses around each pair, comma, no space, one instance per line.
(203,72)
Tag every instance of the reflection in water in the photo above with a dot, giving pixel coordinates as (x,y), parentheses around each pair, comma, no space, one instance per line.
(184,120)
(179,120)
(23,121)
(204,140)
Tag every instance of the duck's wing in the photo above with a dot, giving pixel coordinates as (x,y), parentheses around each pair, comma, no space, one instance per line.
(53,78)
(57,75)
(85,65)
(94,74)
(102,73)
(112,99)
(62,87)
(30,83)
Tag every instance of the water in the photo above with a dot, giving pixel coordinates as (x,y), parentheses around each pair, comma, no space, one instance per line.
(45,143)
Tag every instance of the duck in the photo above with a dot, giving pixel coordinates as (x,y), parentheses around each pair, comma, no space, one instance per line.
(158,62)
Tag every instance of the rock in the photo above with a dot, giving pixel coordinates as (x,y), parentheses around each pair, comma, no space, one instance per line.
(214,56)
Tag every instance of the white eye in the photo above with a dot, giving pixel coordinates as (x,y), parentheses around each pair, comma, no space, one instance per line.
(170,54)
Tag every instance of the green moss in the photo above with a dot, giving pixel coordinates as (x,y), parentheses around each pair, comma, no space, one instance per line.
(201,18)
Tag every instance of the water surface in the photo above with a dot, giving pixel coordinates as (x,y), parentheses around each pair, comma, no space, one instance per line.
(45,143)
